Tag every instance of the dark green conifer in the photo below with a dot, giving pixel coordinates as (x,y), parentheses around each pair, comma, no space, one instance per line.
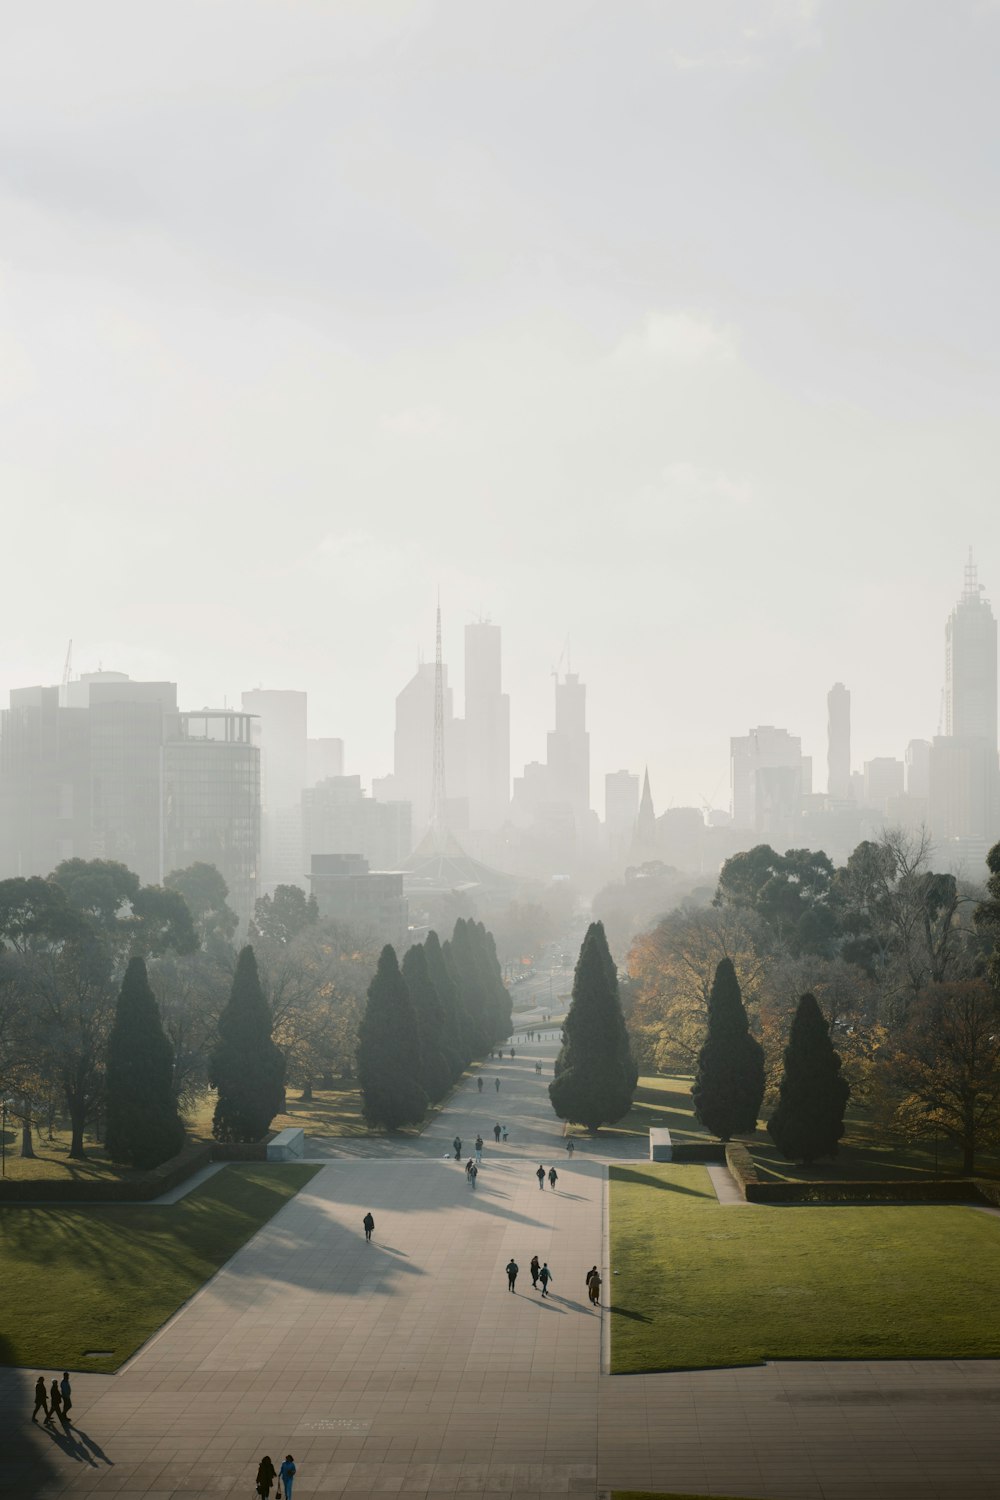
(143,1124)
(246,1067)
(595,1073)
(809,1119)
(435,1070)
(455,1039)
(729,1085)
(389,1061)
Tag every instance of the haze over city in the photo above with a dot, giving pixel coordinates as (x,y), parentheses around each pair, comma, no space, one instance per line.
(665,332)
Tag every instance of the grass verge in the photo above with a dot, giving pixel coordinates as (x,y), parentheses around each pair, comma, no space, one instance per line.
(695,1285)
(665,1495)
(107,1278)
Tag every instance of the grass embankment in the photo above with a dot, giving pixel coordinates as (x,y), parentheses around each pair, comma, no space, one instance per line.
(695,1285)
(52,1159)
(328,1112)
(82,1279)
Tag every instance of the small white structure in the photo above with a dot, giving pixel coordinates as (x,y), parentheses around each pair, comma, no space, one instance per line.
(288,1145)
(660,1145)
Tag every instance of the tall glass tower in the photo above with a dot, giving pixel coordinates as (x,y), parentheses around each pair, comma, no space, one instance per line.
(971,665)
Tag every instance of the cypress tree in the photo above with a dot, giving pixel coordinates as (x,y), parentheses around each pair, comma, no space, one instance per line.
(143,1125)
(729,1085)
(246,1067)
(595,1074)
(443,980)
(809,1118)
(462,958)
(389,1062)
(435,1070)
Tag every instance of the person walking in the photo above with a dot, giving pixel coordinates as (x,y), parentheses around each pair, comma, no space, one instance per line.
(266,1475)
(55,1400)
(512,1052)
(545,1276)
(570,1147)
(594,1285)
(457,1143)
(286,1476)
(41,1399)
(538,1067)
(468,1167)
(540,1174)
(473,1172)
(496,1133)
(479,1149)
(505,1135)
(497,1082)
(553,1178)
(66,1391)
(534,1268)
(512,1270)
(480,1083)
(369,1224)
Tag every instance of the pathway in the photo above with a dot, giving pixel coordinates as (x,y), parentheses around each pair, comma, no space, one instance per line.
(405,1367)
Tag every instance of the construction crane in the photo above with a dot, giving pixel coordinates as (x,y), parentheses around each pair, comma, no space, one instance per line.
(68,666)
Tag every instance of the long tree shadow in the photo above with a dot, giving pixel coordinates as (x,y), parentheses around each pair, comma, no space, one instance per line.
(626,1312)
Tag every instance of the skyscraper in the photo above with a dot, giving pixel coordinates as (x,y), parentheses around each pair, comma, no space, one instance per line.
(569,747)
(838,738)
(487,728)
(621,805)
(279,732)
(963,772)
(970,697)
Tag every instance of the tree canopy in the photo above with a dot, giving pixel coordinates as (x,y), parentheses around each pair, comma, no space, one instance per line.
(389,1057)
(246,1067)
(812,1096)
(144,1127)
(729,1085)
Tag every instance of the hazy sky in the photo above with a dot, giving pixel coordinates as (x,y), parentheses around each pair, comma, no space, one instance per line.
(668,327)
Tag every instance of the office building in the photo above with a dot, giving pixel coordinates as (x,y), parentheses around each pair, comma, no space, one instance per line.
(487,729)
(767,782)
(621,807)
(838,734)
(884,779)
(568,756)
(324,757)
(971,665)
(370,903)
(278,719)
(337,818)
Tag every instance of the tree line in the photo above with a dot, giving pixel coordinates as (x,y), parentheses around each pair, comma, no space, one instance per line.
(901,959)
(426,1020)
(98,969)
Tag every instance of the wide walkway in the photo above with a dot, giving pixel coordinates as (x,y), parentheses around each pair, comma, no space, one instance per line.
(405,1367)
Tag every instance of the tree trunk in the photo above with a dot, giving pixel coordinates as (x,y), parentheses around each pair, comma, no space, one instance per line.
(77,1118)
(27,1149)
(968,1156)
(307,1093)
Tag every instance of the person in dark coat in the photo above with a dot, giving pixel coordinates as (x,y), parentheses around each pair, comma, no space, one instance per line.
(512,1270)
(457,1143)
(66,1392)
(594,1285)
(553,1178)
(535,1267)
(41,1399)
(496,1133)
(545,1276)
(540,1174)
(55,1400)
(369,1224)
(266,1475)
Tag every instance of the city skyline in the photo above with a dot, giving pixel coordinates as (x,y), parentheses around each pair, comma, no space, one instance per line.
(703,379)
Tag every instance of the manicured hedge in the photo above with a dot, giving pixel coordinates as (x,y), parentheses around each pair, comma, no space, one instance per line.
(929,1190)
(242,1150)
(137,1189)
(740,1163)
(699,1151)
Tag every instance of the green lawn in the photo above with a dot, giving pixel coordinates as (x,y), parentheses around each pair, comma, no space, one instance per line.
(695,1285)
(106,1278)
(52,1159)
(658,1101)
(329,1112)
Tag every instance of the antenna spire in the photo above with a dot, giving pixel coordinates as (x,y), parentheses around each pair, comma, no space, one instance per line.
(438,784)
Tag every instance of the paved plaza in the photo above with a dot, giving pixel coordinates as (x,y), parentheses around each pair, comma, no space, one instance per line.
(405,1367)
